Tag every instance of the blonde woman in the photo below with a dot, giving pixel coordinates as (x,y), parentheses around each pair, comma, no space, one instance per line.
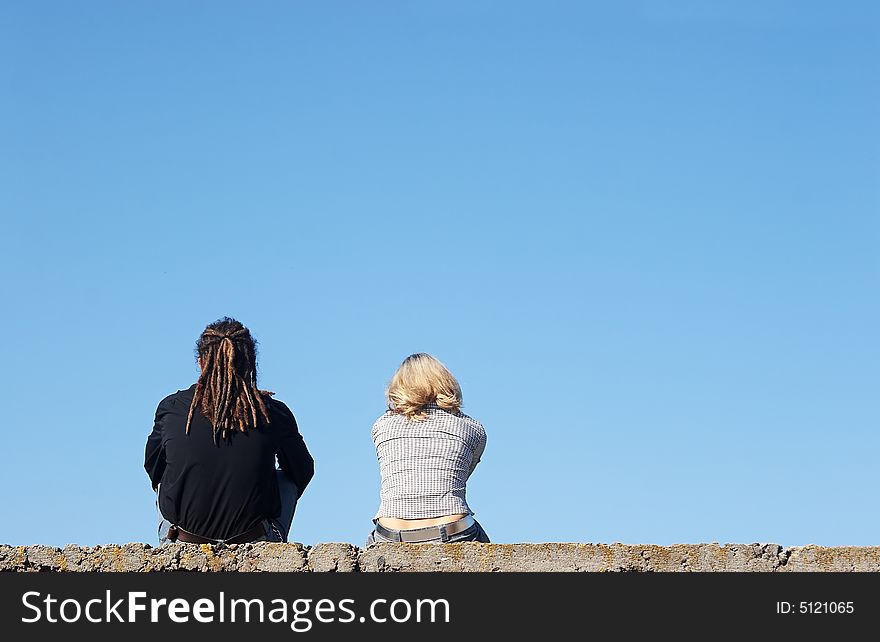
(427,449)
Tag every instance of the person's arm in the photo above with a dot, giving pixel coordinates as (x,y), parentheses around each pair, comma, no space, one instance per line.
(478,450)
(293,456)
(154,455)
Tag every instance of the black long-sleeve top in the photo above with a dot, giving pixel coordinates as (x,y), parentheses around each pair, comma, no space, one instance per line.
(224,489)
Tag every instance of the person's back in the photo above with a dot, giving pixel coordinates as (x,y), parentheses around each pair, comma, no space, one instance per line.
(424,465)
(214,445)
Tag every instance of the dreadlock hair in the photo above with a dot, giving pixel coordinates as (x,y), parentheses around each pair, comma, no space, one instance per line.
(226,392)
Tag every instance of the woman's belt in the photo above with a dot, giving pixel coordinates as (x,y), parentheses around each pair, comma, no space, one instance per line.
(176,533)
(415,535)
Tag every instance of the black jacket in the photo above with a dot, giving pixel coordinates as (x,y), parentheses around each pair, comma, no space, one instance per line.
(219,491)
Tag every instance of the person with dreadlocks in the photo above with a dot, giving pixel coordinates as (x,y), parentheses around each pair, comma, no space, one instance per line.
(211,456)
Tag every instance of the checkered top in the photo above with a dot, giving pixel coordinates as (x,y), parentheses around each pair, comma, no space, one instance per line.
(425,464)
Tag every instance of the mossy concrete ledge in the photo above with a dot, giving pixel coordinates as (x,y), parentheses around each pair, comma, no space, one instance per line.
(467,557)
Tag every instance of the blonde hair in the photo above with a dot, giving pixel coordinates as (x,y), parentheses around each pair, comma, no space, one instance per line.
(421,380)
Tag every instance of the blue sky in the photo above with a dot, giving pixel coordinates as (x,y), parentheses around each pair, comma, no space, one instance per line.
(644,235)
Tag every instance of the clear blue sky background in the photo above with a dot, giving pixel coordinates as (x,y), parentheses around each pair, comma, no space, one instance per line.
(644,235)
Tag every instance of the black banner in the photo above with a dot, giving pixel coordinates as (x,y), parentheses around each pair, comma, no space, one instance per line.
(435,605)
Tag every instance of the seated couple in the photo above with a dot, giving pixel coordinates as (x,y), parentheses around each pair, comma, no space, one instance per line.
(212,453)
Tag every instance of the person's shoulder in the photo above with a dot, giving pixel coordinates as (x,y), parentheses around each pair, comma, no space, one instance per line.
(384,420)
(470,422)
(278,410)
(177,399)
(274,405)
(385,417)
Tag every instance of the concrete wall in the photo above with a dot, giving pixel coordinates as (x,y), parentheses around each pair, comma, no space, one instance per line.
(440,557)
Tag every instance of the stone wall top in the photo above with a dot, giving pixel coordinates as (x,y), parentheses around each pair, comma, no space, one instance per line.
(465,557)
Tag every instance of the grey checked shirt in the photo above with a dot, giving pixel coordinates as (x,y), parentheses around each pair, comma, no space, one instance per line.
(425,464)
